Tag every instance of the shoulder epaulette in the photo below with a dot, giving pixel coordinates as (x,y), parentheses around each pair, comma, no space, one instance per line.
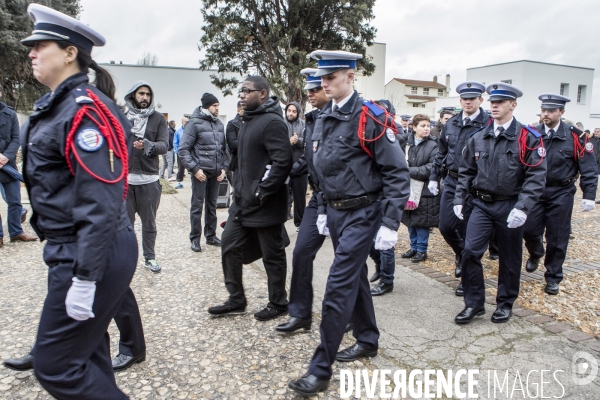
(533,131)
(576,131)
(80,96)
(375,109)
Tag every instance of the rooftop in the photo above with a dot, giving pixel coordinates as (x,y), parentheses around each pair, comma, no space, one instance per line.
(413,82)
(530,61)
(416,97)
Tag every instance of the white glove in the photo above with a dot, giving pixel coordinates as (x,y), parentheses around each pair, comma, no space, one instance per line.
(433,188)
(458,212)
(385,239)
(266,175)
(80,299)
(322,225)
(587,205)
(516,218)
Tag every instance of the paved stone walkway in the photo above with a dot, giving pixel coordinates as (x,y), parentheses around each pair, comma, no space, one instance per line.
(192,355)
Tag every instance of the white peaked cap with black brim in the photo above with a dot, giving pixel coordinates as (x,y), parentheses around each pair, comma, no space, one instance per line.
(331,61)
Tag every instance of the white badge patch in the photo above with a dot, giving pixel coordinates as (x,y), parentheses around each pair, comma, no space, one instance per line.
(541,152)
(389,133)
(90,140)
(589,147)
(315,146)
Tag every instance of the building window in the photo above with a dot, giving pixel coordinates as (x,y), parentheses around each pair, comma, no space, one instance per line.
(581,94)
(413,90)
(564,89)
(415,105)
(440,92)
(509,81)
(425,91)
(423,105)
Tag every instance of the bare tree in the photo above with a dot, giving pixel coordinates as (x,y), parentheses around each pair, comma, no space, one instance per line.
(148,59)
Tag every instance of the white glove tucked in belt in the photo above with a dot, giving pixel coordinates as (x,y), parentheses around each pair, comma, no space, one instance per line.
(587,205)
(458,212)
(433,188)
(516,218)
(80,299)
(322,225)
(385,239)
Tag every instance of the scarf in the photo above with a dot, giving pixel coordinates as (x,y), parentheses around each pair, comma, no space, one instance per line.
(139,118)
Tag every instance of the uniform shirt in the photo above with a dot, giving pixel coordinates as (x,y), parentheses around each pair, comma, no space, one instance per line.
(491,164)
(453,140)
(344,169)
(548,128)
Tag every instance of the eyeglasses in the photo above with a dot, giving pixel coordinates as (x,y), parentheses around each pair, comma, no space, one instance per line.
(246,91)
(315,90)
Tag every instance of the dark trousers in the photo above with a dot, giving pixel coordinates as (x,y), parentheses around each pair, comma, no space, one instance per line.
(204,194)
(453,229)
(234,238)
(552,212)
(12,196)
(180,169)
(144,200)
(347,294)
(131,331)
(486,217)
(298,188)
(308,243)
(386,259)
(72,358)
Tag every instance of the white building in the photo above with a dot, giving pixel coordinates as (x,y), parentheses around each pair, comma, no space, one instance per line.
(535,78)
(177,90)
(373,87)
(410,96)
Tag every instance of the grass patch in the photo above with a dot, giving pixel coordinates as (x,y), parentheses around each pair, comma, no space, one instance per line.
(166,187)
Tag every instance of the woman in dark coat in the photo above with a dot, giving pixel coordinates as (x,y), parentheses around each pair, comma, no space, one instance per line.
(421,150)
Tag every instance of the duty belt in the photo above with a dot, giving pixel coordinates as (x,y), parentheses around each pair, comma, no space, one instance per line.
(70,236)
(491,196)
(561,183)
(453,174)
(347,204)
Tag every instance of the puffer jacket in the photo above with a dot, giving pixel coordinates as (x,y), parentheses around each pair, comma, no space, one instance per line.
(203,144)
(420,162)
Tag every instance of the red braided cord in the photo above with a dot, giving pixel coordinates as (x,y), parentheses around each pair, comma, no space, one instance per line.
(362,124)
(111,131)
(523,148)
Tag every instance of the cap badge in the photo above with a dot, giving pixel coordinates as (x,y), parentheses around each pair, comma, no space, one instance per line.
(468,85)
(495,87)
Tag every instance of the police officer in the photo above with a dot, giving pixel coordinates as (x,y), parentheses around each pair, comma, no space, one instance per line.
(452,141)
(75,172)
(405,121)
(568,154)
(364,178)
(504,168)
(309,240)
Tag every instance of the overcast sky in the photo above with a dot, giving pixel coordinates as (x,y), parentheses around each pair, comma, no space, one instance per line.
(424,37)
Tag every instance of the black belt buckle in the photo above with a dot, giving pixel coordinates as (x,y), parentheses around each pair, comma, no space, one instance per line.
(349,203)
(485,196)
(453,174)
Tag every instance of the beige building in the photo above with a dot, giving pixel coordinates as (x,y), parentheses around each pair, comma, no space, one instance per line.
(410,96)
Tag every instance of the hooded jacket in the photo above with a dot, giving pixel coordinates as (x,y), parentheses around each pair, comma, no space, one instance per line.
(296,126)
(263,140)
(203,144)
(156,138)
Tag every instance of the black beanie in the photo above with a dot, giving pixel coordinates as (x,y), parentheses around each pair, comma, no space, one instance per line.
(208,100)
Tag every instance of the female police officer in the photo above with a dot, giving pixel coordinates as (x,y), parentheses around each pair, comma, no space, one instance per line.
(75,166)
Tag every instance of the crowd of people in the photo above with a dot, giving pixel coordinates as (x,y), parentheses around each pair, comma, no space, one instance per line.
(483,178)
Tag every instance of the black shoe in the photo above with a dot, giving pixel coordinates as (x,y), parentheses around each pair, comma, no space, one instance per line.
(408,254)
(382,288)
(532,264)
(309,385)
(551,288)
(457,267)
(501,315)
(20,364)
(375,277)
(269,313)
(354,352)
(466,315)
(213,241)
(459,290)
(122,361)
(196,246)
(227,308)
(493,256)
(294,324)
(418,257)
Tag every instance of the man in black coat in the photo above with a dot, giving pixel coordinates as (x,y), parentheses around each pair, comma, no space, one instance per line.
(9,145)
(231,136)
(204,153)
(260,200)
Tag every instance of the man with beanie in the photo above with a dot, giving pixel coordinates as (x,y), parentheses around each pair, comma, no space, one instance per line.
(204,153)
(152,140)
(299,184)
